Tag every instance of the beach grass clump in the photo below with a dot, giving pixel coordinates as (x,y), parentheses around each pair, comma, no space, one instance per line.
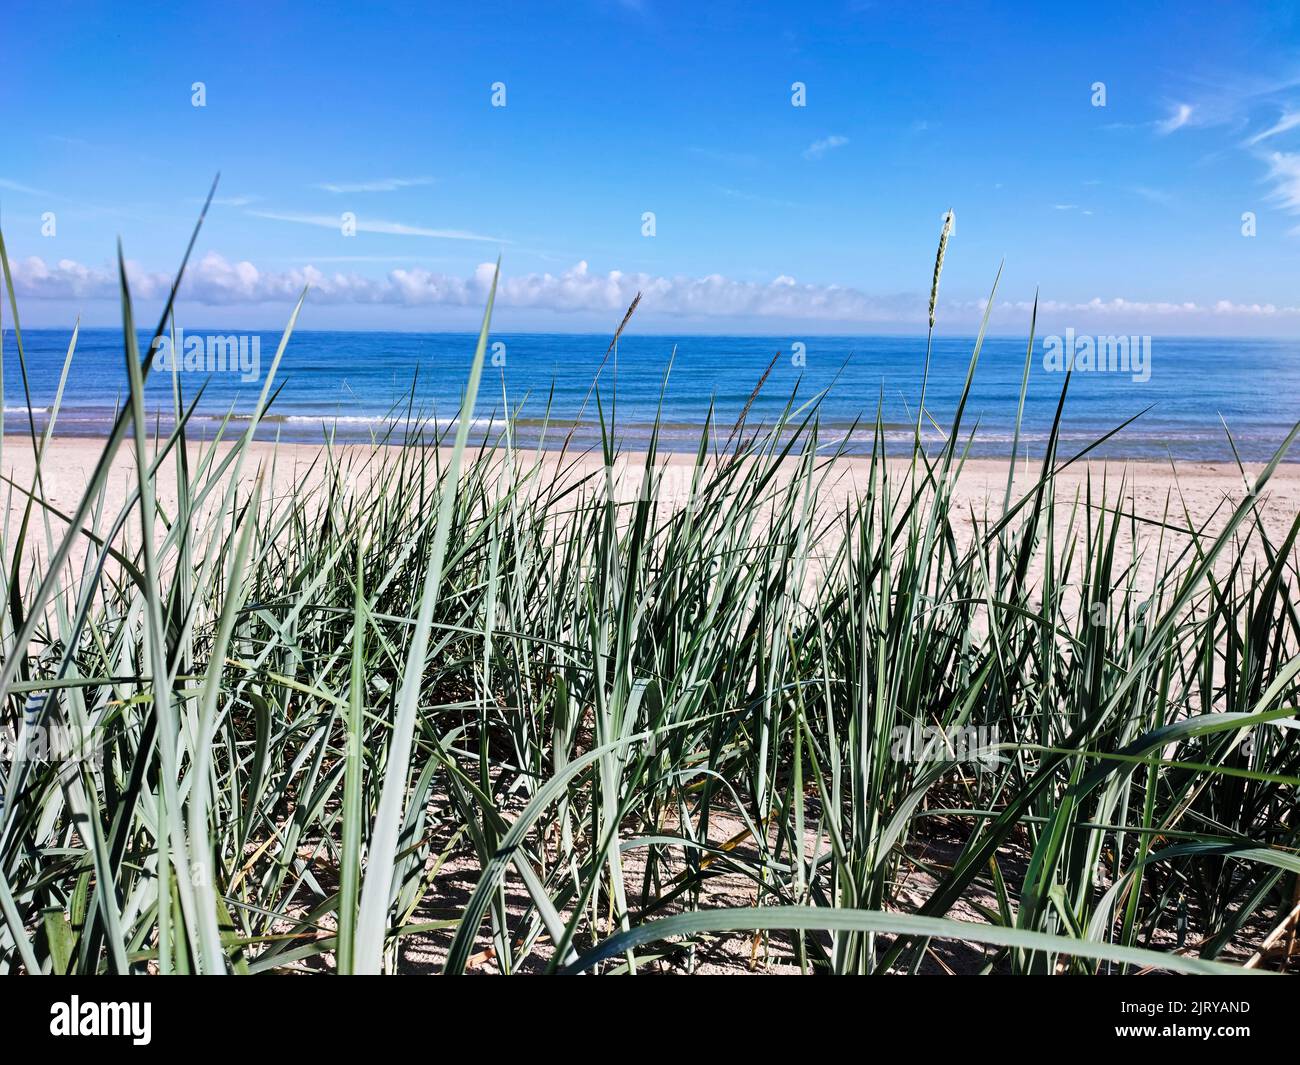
(453,706)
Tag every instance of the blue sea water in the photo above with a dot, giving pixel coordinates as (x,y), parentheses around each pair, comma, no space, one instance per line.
(357,383)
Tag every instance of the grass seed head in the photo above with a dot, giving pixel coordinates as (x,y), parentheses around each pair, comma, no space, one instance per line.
(944,234)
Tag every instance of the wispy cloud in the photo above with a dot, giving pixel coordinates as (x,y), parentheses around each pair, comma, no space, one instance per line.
(1153,195)
(1179,116)
(72,142)
(1226,98)
(753,197)
(1238,103)
(1289,120)
(376,225)
(26,190)
(819,148)
(1284,173)
(731,158)
(382,185)
(389,259)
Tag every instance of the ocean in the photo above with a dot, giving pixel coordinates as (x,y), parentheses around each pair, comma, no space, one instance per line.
(357,385)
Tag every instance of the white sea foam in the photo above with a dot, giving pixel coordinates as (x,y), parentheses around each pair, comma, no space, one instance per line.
(361,419)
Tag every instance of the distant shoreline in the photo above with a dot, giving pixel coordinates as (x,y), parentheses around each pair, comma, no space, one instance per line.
(676,440)
(83,445)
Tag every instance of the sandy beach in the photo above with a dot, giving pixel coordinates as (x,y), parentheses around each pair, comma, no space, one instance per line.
(1162,497)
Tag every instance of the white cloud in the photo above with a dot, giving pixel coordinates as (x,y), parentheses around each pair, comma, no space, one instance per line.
(215,281)
(819,148)
(1284,173)
(382,185)
(1132,310)
(1179,117)
(1236,103)
(1289,120)
(68,279)
(376,225)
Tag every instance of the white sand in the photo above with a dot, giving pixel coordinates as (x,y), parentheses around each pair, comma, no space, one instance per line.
(1152,491)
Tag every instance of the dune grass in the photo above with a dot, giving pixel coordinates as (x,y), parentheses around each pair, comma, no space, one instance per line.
(600,705)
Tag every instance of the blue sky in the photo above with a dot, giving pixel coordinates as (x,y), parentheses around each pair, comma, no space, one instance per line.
(768,217)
